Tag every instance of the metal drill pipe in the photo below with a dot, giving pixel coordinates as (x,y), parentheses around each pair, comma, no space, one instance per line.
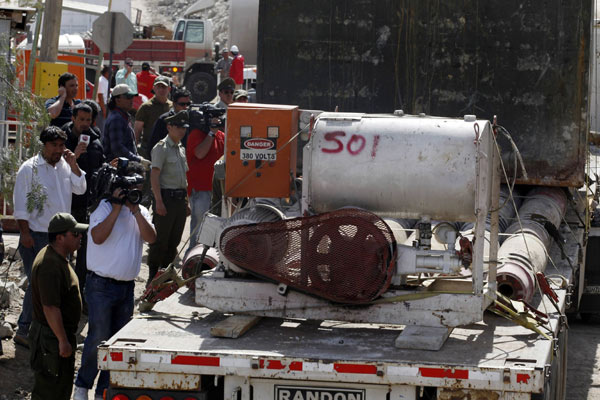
(525,253)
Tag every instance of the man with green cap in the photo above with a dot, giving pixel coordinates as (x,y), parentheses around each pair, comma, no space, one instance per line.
(169,186)
(56,310)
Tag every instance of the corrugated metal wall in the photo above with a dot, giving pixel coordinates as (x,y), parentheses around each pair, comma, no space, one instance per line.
(525,61)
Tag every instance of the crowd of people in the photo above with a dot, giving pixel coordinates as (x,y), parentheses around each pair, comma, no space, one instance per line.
(59,215)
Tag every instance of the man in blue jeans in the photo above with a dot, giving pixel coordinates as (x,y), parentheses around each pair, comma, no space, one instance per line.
(116,235)
(43,187)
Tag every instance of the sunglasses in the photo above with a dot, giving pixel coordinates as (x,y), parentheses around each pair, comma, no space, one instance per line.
(75,234)
(185,104)
(228,91)
(130,64)
(129,96)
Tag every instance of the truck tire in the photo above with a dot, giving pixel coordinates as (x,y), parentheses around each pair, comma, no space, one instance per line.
(202,86)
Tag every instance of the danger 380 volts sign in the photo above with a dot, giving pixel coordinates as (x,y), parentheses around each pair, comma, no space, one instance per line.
(259,149)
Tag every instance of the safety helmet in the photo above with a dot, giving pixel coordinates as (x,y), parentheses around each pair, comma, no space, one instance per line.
(234,49)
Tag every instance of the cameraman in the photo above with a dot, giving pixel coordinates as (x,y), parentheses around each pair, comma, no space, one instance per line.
(203,149)
(116,235)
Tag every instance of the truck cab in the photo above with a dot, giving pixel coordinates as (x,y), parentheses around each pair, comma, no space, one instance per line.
(200,78)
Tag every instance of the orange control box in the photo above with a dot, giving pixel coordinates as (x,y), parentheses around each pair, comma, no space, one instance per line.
(260,154)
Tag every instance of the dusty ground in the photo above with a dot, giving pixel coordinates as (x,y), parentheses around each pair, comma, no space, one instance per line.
(16,378)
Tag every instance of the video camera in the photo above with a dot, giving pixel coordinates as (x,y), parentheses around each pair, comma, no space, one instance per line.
(200,116)
(108,178)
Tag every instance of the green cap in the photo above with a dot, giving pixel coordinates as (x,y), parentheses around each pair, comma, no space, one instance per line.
(162,80)
(179,119)
(62,222)
(227,83)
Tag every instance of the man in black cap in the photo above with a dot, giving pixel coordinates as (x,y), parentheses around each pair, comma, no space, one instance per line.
(169,186)
(226,89)
(56,310)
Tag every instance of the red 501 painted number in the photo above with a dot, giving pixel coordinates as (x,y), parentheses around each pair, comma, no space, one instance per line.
(354,145)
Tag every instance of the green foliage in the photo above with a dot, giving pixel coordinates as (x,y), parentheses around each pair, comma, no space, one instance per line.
(31,113)
(37,196)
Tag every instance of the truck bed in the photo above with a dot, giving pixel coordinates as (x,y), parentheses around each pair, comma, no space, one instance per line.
(178,325)
(494,354)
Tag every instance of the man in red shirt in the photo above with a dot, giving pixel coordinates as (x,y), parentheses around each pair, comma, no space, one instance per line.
(203,149)
(237,67)
(145,80)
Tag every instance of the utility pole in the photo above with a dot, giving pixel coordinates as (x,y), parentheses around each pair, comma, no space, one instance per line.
(51,30)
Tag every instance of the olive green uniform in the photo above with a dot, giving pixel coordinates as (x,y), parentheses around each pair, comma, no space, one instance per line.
(149,113)
(53,283)
(169,157)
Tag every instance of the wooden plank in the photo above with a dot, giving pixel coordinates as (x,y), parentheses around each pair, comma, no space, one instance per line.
(234,326)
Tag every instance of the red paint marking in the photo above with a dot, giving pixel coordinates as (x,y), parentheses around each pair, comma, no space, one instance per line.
(523,378)
(375,144)
(116,356)
(355,368)
(197,360)
(356,139)
(276,364)
(332,137)
(296,366)
(444,373)
(104,358)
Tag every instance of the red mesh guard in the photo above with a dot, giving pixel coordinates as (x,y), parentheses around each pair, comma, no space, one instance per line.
(345,256)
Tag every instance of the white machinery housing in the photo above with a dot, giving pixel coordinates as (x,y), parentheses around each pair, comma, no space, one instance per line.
(396,166)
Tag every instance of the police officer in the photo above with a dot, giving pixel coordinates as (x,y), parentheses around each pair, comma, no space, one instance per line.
(169,186)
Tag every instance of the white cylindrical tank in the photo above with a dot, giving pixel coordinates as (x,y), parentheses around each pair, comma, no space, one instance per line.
(394,165)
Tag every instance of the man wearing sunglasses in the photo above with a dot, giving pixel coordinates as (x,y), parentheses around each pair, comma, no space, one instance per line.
(119,138)
(181,101)
(56,310)
(226,89)
(126,76)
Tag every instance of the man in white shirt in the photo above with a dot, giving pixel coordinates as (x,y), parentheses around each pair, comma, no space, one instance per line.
(44,186)
(127,76)
(117,232)
(103,97)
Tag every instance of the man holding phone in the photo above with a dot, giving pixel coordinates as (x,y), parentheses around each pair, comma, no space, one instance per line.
(85,143)
(43,188)
(127,76)
(60,107)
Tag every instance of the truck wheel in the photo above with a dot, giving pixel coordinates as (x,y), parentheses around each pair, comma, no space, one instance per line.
(202,85)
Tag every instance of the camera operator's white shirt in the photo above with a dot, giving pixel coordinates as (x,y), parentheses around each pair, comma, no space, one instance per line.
(120,256)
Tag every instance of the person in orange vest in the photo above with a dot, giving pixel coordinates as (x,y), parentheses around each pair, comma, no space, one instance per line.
(145,80)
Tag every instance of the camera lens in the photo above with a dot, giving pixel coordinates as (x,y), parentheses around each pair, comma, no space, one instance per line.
(134,196)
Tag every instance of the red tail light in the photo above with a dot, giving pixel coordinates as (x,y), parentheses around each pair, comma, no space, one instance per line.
(120,397)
